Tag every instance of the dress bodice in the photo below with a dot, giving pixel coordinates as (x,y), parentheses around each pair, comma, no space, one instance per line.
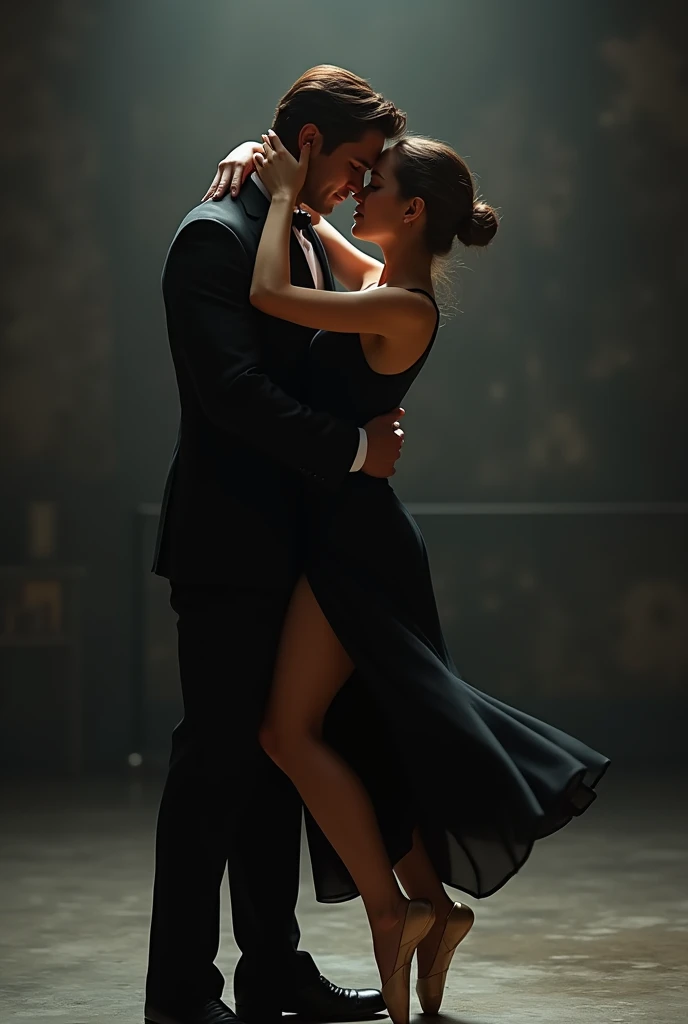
(341,382)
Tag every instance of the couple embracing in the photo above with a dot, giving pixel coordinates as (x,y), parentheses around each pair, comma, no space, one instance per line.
(313,668)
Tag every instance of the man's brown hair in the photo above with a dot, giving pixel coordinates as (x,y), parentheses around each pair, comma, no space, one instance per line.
(343,106)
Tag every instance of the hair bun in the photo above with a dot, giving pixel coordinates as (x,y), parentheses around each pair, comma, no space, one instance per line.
(480,228)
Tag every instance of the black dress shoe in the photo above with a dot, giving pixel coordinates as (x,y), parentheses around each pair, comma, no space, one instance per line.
(317,1000)
(213,1011)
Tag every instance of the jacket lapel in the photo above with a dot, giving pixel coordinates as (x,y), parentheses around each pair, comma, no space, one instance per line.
(256,206)
(298,265)
(314,238)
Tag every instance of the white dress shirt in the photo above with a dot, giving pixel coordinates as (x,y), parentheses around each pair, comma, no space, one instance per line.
(319,281)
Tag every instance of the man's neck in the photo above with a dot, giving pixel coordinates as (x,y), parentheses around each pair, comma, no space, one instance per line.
(256,179)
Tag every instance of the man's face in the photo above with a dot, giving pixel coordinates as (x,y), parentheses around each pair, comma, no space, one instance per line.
(333,177)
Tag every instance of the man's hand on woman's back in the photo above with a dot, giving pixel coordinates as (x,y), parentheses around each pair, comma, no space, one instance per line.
(385,438)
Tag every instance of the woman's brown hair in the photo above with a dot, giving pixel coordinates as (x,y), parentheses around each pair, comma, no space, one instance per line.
(342,105)
(432,171)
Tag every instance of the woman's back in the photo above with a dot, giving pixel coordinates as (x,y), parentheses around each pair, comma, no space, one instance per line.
(342,382)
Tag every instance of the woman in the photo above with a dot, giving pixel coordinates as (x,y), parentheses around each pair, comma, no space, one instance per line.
(409,772)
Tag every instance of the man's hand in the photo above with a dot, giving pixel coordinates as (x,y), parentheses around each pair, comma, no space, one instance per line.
(385,438)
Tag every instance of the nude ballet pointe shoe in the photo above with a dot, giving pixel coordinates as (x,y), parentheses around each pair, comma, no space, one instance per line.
(430,988)
(420,918)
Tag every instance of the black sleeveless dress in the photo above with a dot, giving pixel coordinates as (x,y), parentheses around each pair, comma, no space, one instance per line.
(479,779)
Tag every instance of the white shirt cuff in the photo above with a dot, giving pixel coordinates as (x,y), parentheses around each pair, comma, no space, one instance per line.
(362,452)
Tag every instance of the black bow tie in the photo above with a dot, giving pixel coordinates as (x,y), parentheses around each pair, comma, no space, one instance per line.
(300,220)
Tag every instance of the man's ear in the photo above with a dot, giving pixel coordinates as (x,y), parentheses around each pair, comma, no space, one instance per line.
(309,133)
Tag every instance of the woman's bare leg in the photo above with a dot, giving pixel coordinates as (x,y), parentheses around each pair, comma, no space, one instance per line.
(417,874)
(310,669)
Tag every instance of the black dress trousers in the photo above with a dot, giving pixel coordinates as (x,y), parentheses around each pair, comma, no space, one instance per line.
(225,803)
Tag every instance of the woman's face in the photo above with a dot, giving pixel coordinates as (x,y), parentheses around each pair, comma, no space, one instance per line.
(380,210)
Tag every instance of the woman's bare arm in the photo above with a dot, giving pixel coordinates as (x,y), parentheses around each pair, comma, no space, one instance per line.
(393,313)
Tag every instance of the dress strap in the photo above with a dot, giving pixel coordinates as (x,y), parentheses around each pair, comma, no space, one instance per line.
(423,292)
(437,325)
(437,309)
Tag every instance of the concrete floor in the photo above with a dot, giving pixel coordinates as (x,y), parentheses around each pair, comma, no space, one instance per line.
(595,928)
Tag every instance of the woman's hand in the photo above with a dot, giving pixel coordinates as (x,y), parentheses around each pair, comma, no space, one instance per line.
(233,171)
(282,175)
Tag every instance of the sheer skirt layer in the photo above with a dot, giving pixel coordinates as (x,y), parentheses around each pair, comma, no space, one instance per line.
(482,781)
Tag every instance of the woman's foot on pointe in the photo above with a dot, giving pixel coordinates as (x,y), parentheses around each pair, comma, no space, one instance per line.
(395,938)
(435,953)
(427,950)
(386,930)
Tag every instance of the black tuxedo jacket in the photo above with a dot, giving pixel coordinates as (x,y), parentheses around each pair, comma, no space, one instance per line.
(232,509)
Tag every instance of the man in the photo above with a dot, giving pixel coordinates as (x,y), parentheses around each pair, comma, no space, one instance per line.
(230,541)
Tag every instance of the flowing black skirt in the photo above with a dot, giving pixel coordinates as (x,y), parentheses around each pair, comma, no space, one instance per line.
(479,779)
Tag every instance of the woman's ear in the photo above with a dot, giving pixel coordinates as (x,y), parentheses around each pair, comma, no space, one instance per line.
(413,210)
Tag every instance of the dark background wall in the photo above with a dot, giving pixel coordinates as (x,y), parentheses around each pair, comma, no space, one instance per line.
(559,375)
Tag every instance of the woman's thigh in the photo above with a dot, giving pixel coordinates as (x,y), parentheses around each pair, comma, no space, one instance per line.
(310,668)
